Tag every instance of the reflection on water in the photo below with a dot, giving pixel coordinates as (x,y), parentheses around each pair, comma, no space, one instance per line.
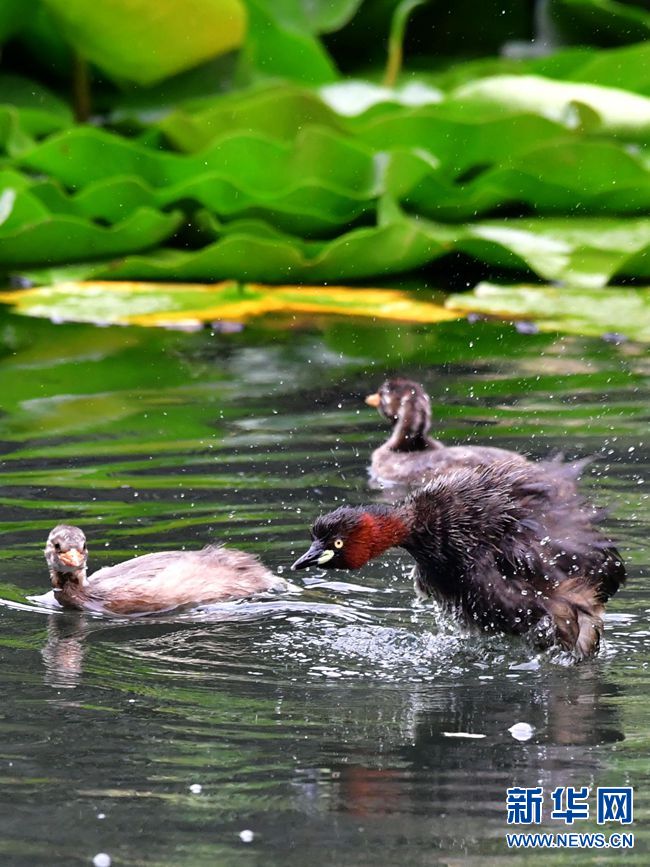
(323,722)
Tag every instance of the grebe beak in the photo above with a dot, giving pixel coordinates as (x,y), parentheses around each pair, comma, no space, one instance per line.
(373,399)
(73,558)
(316,556)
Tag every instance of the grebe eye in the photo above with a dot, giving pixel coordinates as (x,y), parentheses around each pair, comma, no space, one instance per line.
(57,546)
(338,543)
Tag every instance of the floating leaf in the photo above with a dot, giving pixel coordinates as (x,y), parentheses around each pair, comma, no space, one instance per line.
(282,44)
(619,112)
(279,112)
(148,40)
(61,238)
(578,311)
(82,155)
(585,252)
(626,68)
(190,304)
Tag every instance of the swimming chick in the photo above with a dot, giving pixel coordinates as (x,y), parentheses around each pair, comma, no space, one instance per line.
(153,583)
(495,547)
(411,457)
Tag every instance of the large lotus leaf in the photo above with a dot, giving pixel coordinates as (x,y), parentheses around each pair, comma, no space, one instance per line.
(306,209)
(13,138)
(61,238)
(324,182)
(574,176)
(82,155)
(254,251)
(281,45)
(18,207)
(585,252)
(615,111)
(28,111)
(184,304)
(40,111)
(109,200)
(626,68)
(579,311)
(309,209)
(313,16)
(148,40)
(460,145)
(278,112)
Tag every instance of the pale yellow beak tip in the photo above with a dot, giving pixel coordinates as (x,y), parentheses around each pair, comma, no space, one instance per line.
(373,399)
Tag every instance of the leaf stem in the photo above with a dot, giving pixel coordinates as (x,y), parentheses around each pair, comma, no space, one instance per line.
(396,40)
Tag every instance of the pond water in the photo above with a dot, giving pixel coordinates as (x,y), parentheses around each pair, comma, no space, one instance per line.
(321,725)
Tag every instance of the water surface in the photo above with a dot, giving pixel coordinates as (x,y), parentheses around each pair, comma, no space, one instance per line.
(322,723)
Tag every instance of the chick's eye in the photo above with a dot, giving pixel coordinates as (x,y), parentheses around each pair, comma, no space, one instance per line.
(338,543)
(57,546)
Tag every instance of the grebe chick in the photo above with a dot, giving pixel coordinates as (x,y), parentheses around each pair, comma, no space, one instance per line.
(153,583)
(411,457)
(495,547)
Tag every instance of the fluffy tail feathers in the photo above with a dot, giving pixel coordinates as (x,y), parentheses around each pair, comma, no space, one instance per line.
(577,614)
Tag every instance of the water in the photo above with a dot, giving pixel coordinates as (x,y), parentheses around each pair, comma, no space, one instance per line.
(326,725)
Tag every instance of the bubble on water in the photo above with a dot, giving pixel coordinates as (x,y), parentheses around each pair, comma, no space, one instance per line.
(196,788)
(246,836)
(521,731)
(101,859)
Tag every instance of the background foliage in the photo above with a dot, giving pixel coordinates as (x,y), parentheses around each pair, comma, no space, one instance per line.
(256,139)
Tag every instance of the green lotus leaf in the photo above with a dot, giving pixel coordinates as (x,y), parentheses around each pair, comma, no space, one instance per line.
(620,112)
(40,111)
(626,68)
(578,311)
(585,252)
(82,155)
(63,238)
(109,200)
(459,144)
(563,176)
(281,43)
(28,111)
(148,40)
(18,207)
(317,16)
(275,111)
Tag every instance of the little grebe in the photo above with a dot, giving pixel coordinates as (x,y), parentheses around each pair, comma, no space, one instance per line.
(153,583)
(495,546)
(411,457)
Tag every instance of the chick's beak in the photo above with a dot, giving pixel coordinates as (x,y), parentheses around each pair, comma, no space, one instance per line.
(73,558)
(316,556)
(373,399)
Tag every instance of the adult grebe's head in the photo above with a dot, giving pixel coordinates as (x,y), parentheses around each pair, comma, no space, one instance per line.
(351,535)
